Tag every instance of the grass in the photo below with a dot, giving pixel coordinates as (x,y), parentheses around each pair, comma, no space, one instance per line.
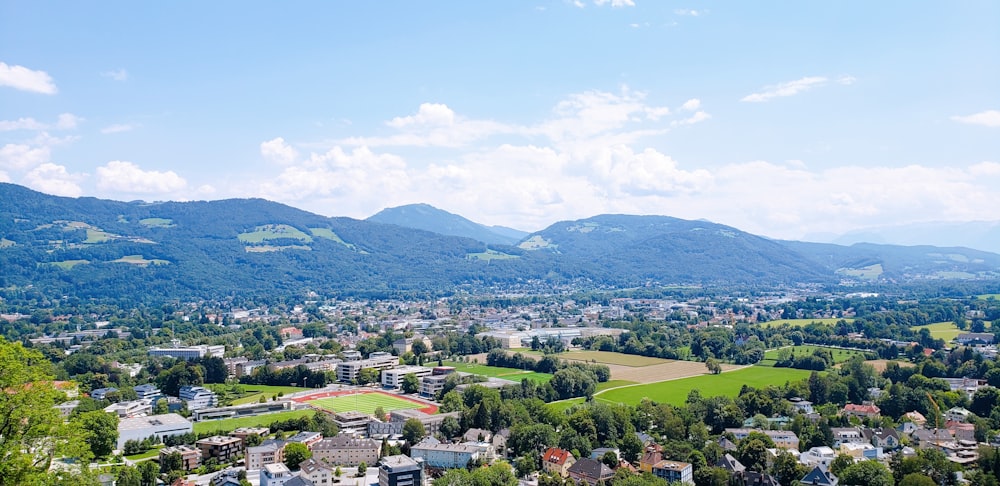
(364,402)
(490,255)
(273,232)
(988,296)
(536,243)
(839,355)
(224,426)
(138,260)
(563,405)
(242,394)
(940,330)
(804,322)
(676,391)
(155,451)
(614,384)
(96,236)
(512,374)
(607,357)
(871,272)
(69,264)
(157,222)
(330,235)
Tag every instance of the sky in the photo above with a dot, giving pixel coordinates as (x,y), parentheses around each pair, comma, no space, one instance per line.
(786,119)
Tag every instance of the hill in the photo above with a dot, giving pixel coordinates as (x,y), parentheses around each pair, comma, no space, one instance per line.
(981,235)
(429,218)
(869,261)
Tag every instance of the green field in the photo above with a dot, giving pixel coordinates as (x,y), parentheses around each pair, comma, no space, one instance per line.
(241,394)
(154,452)
(614,384)
(228,425)
(138,260)
(364,402)
(95,236)
(273,232)
(988,296)
(157,222)
(490,255)
(69,264)
(512,374)
(940,330)
(803,322)
(871,272)
(729,383)
(839,355)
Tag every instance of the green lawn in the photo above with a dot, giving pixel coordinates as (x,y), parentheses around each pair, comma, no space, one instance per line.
(228,425)
(157,222)
(730,383)
(490,255)
(69,264)
(512,374)
(941,330)
(803,322)
(614,384)
(252,393)
(988,297)
(273,232)
(95,236)
(364,402)
(839,355)
(145,455)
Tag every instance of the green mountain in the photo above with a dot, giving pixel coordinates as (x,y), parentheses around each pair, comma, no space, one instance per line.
(86,248)
(429,218)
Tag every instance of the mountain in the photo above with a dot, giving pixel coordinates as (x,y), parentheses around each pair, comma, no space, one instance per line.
(981,235)
(92,249)
(429,218)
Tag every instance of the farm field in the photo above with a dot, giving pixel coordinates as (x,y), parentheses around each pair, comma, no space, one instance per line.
(610,358)
(803,322)
(69,264)
(988,296)
(940,330)
(881,364)
(614,384)
(228,425)
(839,355)
(364,402)
(729,383)
(512,374)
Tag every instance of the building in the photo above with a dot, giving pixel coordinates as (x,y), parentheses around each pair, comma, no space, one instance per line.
(245,410)
(352,420)
(674,472)
(243,432)
(444,456)
(957,414)
(883,437)
(400,471)
(148,391)
(160,426)
(867,410)
(189,352)
(66,408)
(275,475)
(431,423)
(131,408)
(344,450)
(227,477)
(307,439)
(198,397)
(268,452)
(802,405)
(102,393)
(558,461)
(783,439)
(405,345)
(819,477)
(190,457)
(394,378)
(974,338)
(431,385)
(820,456)
(847,435)
(650,456)
(347,371)
(220,447)
(317,472)
(592,472)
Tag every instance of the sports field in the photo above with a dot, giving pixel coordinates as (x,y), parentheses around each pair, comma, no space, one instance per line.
(940,330)
(228,425)
(729,383)
(365,403)
(512,374)
(803,322)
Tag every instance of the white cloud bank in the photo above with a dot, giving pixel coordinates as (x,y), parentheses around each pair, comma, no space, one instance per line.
(792,88)
(988,118)
(65,121)
(126,177)
(24,79)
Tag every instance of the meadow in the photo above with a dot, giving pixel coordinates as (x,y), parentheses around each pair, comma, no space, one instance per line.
(940,330)
(676,391)
(241,394)
(803,322)
(364,402)
(603,357)
(224,426)
(512,374)
(839,355)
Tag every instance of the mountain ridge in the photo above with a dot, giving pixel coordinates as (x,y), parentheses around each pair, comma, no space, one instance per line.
(426,217)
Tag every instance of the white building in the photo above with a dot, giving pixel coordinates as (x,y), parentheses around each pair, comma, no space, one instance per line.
(348,370)
(818,456)
(275,475)
(198,397)
(189,352)
(394,378)
(139,428)
(131,408)
(147,391)
(271,452)
(445,456)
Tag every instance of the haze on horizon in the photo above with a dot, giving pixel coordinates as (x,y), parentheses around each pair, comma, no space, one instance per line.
(784,119)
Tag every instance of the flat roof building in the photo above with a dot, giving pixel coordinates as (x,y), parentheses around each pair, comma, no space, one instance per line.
(160,426)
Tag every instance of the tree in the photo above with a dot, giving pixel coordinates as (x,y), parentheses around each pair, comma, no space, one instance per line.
(32,432)
(631,447)
(129,476)
(148,472)
(362,468)
(411,384)
(610,459)
(366,376)
(713,366)
(917,479)
(983,401)
(839,463)
(100,431)
(787,470)
(413,430)
(866,473)
(380,413)
(450,427)
(172,462)
(295,453)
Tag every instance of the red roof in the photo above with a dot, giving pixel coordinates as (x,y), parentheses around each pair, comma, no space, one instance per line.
(556,455)
(866,409)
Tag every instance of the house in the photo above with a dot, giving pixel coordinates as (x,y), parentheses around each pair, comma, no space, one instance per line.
(915,417)
(958,414)
(650,456)
(783,439)
(861,411)
(400,471)
(598,454)
(674,471)
(730,464)
(394,378)
(190,457)
(160,426)
(148,391)
(268,452)
(558,461)
(931,437)
(445,456)
(974,338)
(847,435)
(477,435)
(290,333)
(275,475)
(227,477)
(431,423)
(299,481)
(819,477)
(102,393)
(591,471)
(198,397)
(317,472)
(801,405)
(306,438)
(885,438)
(345,450)
(131,408)
(820,456)
(223,448)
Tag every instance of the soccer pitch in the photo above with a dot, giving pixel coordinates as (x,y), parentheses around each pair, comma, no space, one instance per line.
(364,402)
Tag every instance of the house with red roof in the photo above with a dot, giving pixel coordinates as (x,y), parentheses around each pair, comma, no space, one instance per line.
(867,410)
(556,460)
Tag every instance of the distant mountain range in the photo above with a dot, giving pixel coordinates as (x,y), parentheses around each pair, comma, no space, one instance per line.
(87,248)
(981,235)
(430,218)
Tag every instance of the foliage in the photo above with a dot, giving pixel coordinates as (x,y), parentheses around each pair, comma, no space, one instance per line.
(295,453)
(866,473)
(413,430)
(101,431)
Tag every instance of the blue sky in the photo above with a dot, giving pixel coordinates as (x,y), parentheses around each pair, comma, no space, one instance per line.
(787,119)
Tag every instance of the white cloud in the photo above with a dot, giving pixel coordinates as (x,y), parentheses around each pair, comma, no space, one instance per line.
(615,3)
(988,118)
(429,114)
(846,80)
(277,151)
(126,177)
(118,128)
(785,89)
(985,169)
(54,179)
(691,105)
(66,121)
(18,157)
(24,79)
(116,74)
(434,125)
(697,117)
(688,12)
(4,177)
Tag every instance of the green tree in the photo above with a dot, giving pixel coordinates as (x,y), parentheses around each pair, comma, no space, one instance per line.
(172,462)
(380,413)
(839,463)
(100,431)
(366,376)
(295,453)
(413,430)
(867,473)
(129,476)
(148,472)
(713,366)
(917,479)
(32,432)
(362,468)
(411,384)
(787,470)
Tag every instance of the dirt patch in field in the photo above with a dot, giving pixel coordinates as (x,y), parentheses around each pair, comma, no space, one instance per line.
(880,364)
(661,372)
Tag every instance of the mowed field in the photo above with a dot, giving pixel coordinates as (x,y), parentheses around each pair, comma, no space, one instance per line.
(940,330)
(364,402)
(512,374)
(636,369)
(728,383)
(802,322)
(839,355)
(224,426)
